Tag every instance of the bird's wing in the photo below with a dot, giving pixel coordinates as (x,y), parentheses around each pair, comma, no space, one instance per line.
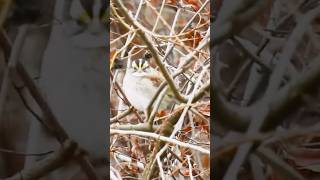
(156,78)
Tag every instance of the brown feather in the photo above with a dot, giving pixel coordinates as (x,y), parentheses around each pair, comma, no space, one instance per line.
(156,78)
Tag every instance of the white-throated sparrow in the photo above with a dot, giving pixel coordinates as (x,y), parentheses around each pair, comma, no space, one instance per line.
(141,82)
(73,80)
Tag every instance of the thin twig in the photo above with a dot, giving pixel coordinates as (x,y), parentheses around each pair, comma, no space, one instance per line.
(47,165)
(190,167)
(122,115)
(16,49)
(278,164)
(8,151)
(162,138)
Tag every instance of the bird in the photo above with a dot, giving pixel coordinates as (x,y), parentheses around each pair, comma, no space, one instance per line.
(141,82)
(73,81)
